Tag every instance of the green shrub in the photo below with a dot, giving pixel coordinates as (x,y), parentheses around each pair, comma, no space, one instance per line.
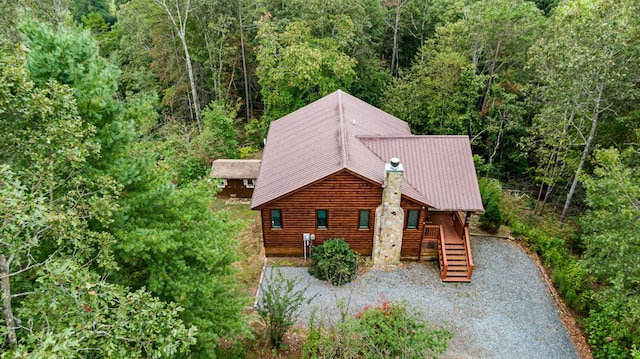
(279,306)
(491,192)
(491,219)
(386,330)
(192,170)
(334,261)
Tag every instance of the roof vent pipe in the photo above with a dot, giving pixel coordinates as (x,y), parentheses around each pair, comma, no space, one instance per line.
(395,162)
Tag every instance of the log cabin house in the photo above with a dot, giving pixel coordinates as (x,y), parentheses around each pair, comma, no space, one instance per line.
(235,178)
(341,168)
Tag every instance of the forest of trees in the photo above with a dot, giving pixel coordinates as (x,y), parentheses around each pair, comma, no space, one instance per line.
(111,111)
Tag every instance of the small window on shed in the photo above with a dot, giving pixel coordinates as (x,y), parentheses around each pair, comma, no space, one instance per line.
(363,219)
(222,183)
(276,218)
(249,183)
(412,218)
(322,218)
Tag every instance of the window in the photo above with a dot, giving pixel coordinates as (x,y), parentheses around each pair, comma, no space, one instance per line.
(222,183)
(276,218)
(363,219)
(322,218)
(249,183)
(412,219)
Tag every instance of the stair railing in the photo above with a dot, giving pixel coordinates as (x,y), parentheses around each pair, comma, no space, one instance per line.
(467,248)
(443,255)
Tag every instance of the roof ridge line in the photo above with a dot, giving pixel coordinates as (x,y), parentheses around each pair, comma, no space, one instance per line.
(342,131)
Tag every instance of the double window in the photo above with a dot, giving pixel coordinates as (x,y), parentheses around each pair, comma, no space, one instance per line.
(412,218)
(363,219)
(276,218)
(322,219)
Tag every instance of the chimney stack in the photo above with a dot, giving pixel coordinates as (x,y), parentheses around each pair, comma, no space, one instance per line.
(387,240)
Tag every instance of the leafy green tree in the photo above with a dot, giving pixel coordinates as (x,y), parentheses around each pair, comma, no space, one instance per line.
(586,89)
(82,8)
(178,12)
(108,37)
(73,313)
(612,239)
(296,67)
(172,244)
(54,301)
(167,239)
(438,95)
(219,137)
(357,25)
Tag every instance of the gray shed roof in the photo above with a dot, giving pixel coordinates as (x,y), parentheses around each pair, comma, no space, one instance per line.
(339,132)
(235,169)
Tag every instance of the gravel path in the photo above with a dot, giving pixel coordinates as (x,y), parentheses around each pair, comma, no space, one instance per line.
(505,312)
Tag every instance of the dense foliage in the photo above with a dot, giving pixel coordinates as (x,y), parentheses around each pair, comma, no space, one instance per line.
(334,261)
(105,134)
(386,330)
(491,192)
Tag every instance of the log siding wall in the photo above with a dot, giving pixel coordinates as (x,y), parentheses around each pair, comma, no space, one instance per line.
(343,195)
(235,188)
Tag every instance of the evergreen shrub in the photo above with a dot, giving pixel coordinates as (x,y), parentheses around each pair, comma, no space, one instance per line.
(491,192)
(334,261)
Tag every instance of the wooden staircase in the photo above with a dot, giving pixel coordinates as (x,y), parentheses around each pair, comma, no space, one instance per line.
(456,264)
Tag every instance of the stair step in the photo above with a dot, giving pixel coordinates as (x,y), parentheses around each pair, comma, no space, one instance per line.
(457,269)
(457,279)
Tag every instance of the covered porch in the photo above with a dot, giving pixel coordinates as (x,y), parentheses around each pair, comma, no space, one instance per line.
(449,234)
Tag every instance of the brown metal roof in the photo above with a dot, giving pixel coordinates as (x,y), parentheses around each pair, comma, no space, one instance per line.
(340,132)
(440,167)
(235,169)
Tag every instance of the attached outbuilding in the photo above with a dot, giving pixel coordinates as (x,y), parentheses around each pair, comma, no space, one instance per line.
(341,168)
(235,178)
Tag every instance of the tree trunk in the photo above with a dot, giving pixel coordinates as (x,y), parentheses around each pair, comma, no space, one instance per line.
(6,302)
(542,183)
(485,101)
(396,27)
(192,81)
(247,103)
(585,154)
(179,23)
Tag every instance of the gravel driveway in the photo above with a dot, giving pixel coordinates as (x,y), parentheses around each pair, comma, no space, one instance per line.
(505,312)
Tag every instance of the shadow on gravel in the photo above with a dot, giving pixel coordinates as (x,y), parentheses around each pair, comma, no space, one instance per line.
(505,312)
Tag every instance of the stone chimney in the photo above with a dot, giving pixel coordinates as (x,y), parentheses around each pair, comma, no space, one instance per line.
(387,239)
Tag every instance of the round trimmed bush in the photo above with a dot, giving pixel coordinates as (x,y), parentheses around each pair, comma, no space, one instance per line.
(334,261)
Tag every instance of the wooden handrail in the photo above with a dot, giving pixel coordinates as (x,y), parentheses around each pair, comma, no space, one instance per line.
(443,255)
(431,231)
(467,247)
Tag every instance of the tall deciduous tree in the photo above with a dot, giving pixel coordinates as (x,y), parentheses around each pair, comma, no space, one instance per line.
(588,67)
(612,238)
(178,12)
(296,67)
(438,94)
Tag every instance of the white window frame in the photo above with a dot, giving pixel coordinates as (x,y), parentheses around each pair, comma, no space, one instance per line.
(222,182)
(249,185)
